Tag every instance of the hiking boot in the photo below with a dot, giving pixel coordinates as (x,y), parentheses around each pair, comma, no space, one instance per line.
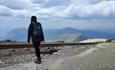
(37,61)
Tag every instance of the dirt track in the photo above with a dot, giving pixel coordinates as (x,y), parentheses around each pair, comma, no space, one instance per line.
(9,57)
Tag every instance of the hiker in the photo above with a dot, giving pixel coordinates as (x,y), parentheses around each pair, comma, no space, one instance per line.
(35,33)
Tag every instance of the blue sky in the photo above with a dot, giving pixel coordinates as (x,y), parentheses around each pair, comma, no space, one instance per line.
(55,14)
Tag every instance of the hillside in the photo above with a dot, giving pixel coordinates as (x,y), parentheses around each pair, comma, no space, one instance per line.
(67,35)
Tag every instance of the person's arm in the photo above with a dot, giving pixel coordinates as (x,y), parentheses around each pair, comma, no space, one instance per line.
(29,33)
(42,33)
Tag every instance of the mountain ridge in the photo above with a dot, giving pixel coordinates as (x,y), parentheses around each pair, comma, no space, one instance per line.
(60,34)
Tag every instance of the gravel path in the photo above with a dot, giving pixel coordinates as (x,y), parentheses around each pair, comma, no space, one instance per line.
(10,57)
(27,57)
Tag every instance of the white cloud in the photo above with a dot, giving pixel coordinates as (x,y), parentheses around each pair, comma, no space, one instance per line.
(16,4)
(62,8)
(101,9)
(42,12)
(50,3)
(39,1)
(5,11)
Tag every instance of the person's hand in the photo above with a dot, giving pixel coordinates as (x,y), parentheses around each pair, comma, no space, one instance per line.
(42,41)
(28,41)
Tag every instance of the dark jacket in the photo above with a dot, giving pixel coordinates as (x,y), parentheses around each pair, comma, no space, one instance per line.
(35,38)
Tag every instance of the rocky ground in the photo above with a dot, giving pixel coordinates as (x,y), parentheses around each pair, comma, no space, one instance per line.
(88,57)
(10,57)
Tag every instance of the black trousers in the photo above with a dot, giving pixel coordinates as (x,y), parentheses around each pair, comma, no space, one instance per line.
(37,49)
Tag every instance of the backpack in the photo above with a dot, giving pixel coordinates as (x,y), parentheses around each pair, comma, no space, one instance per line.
(36,29)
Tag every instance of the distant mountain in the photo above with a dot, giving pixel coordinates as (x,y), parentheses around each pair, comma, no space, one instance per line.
(66,34)
(19,34)
(69,30)
(82,34)
(98,34)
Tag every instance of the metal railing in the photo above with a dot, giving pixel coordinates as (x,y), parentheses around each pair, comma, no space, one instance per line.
(26,45)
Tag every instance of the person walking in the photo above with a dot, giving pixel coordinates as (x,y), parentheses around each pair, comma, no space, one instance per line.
(35,34)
